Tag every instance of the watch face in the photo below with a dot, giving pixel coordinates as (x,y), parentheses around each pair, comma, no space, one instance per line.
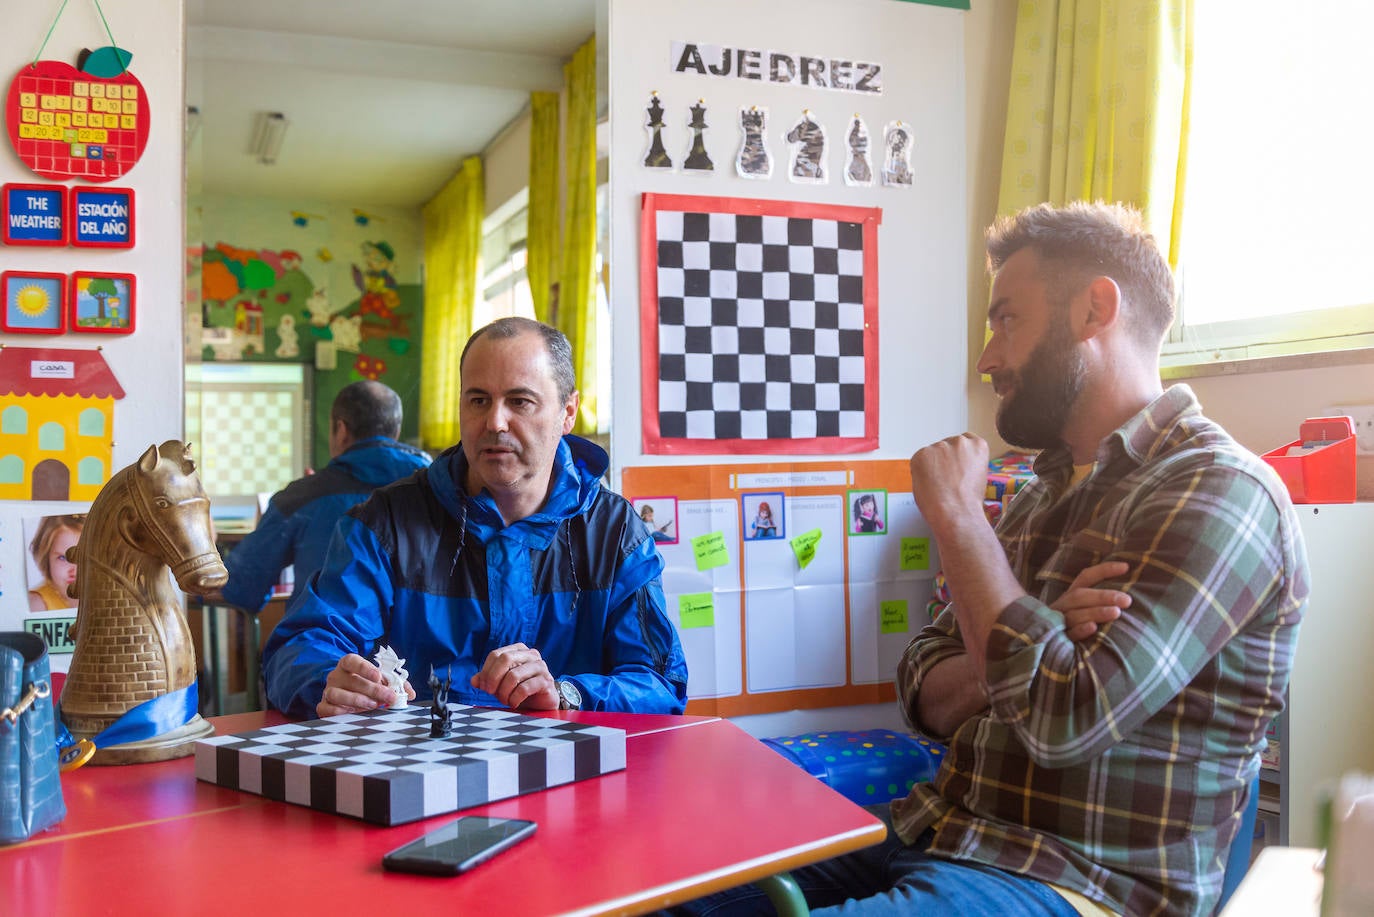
(571,696)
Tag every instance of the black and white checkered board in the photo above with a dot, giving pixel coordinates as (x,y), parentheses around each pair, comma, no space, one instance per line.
(383,767)
(760,327)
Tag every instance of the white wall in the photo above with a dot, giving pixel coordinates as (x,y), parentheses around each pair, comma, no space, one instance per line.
(147,363)
(922,325)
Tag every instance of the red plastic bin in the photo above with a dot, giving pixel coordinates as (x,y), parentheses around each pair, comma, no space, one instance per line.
(1324,474)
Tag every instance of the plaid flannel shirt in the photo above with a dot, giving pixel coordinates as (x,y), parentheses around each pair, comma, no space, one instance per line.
(1118,766)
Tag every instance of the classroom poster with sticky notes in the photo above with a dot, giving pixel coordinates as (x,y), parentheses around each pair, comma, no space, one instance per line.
(793,585)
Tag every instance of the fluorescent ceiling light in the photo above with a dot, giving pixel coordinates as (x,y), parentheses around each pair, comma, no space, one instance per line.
(267,140)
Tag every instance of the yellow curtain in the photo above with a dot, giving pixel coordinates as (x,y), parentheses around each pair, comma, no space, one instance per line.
(576,312)
(542,235)
(453,237)
(1098,108)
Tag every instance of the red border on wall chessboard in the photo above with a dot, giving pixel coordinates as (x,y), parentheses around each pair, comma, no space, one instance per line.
(654,441)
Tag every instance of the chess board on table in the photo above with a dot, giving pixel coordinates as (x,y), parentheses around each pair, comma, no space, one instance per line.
(382,766)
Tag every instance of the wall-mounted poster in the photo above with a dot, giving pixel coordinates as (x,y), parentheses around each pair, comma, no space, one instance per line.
(778,602)
(760,326)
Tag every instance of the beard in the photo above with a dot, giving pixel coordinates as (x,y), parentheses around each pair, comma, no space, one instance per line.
(1033,413)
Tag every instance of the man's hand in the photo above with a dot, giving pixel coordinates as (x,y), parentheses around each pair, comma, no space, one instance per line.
(518,677)
(1085,607)
(948,479)
(355,686)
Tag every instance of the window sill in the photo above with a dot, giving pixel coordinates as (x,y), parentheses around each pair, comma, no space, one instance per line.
(1237,361)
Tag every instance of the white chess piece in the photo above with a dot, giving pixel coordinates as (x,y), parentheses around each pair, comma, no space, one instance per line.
(393,670)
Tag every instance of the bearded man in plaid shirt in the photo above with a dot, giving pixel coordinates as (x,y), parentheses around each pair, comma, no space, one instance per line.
(1115,651)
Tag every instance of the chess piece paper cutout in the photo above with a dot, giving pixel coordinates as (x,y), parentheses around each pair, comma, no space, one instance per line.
(393,669)
(897,165)
(657,157)
(290,345)
(133,644)
(859,171)
(808,150)
(440,716)
(697,158)
(754,160)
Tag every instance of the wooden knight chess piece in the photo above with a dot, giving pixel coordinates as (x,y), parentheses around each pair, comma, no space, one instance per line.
(133,670)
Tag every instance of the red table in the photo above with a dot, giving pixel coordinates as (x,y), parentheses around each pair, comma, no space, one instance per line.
(701,806)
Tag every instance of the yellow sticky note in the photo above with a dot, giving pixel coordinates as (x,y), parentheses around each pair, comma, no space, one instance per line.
(804,546)
(710,550)
(696,610)
(915,553)
(893,616)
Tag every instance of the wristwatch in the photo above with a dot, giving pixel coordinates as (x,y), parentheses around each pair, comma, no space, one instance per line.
(569,698)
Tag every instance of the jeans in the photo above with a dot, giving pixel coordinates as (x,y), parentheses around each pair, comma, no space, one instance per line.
(893,878)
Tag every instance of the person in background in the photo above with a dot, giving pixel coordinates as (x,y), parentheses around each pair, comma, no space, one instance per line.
(364,422)
(1115,650)
(505,562)
(866,518)
(660,532)
(763,525)
(55,535)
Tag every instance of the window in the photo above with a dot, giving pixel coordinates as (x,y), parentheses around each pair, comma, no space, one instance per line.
(504,288)
(1279,189)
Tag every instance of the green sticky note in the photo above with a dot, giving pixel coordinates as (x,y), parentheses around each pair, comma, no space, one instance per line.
(710,550)
(894,620)
(696,610)
(804,546)
(915,553)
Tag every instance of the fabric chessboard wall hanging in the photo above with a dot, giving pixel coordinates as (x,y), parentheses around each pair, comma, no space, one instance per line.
(760,326)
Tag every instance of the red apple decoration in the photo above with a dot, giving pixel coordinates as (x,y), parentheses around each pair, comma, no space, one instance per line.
(88,122)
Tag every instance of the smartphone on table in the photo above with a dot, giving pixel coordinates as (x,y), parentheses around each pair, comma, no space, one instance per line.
(459,845)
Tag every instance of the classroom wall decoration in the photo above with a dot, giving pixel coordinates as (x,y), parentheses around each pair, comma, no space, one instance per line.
(88,122)
(103,303)
(34,302)
(56,422)
(793,585)
(754,160)
(759,326)
(102,217)
(34,214)
(778,67)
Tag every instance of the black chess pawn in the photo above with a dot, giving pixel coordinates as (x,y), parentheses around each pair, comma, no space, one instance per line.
(658,156)
(697,158)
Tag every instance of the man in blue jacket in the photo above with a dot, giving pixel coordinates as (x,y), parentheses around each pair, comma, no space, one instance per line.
(505,564)
(364,422)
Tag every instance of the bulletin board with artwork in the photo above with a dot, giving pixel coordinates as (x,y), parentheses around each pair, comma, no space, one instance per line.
(793,585)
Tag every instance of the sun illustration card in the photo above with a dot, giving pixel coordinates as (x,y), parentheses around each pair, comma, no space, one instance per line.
(35,303)
(102,303)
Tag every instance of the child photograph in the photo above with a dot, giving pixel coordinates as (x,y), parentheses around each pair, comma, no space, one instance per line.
(660,515)
(50,571)
(867,512)
(763,516)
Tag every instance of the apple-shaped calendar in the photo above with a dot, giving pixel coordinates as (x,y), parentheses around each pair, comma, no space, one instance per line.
(88,122)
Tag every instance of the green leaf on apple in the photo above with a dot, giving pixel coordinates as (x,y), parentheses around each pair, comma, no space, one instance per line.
(104,63)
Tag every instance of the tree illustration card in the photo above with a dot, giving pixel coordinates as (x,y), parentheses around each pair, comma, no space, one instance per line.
(102,303)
